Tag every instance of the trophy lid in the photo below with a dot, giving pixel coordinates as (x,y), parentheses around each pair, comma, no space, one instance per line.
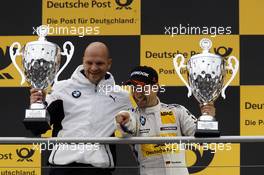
(206,45)
(42,32)
(41,49)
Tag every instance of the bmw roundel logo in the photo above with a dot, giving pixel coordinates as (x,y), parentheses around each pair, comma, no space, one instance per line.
(142,120)
(76,94)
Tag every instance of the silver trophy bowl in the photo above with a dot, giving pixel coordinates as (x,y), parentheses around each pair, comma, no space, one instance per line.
(40,68)
(41,62)
(206,74)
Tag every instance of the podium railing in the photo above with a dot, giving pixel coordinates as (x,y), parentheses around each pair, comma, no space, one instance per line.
(133,140)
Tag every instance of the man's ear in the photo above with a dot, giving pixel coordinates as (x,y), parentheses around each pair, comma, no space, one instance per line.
(83,59)
(109,63)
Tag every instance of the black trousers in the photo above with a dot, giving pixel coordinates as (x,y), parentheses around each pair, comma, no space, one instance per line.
(80,169)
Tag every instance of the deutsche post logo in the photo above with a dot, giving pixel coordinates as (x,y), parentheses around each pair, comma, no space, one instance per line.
(223,51)
(202,160)
(25,154)
(5,61)
(123,4)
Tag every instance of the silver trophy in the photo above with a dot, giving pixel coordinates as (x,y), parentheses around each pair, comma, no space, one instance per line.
(41,62)
(206,73)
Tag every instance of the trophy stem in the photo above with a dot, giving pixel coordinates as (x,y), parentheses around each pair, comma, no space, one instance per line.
(37,118)
(38,105)
(206,117)
(207,126)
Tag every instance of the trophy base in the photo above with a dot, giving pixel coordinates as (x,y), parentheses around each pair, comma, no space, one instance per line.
(207,133)
(207,129)
(37,120)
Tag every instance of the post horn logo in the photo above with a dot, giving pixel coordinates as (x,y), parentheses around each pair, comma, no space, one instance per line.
(123,4)
(202,161)
(5,61)
(223,51)
(25,154)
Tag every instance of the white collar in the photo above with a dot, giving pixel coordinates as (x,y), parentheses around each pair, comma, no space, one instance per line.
(152,108)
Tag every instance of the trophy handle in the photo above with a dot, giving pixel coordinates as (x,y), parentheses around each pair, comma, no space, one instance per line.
(13,58)
(234,72)
(68,56)
(178,69)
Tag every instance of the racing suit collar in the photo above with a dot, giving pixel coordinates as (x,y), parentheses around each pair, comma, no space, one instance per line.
(151,109)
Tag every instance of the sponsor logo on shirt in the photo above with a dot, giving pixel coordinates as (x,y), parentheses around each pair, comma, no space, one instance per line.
(142,120)
(167,117)
(168,128)
(76,94)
